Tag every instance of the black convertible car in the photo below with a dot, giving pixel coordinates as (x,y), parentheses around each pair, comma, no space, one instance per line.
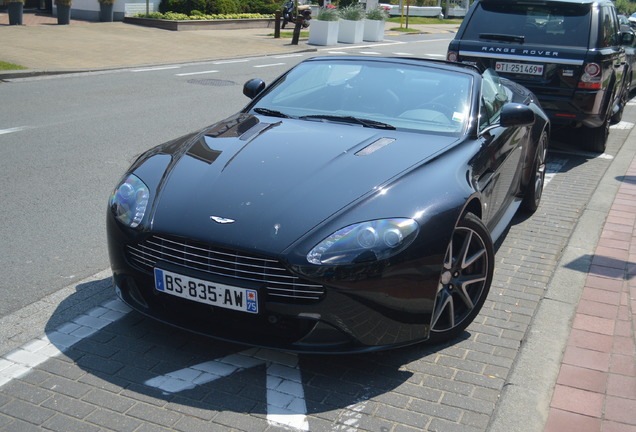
(351,206)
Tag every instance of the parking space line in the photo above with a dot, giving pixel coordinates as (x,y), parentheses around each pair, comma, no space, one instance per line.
(22,360)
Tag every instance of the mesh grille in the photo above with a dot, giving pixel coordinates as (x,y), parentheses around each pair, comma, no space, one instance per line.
(280,283)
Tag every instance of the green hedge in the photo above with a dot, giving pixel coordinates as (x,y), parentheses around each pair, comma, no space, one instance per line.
(215,7)
(197,15)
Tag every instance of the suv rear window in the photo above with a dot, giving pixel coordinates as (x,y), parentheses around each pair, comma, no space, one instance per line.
(564,24)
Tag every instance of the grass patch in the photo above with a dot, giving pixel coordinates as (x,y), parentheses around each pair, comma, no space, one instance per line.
(425,20)
(290,34)
(10,66)
(405,30)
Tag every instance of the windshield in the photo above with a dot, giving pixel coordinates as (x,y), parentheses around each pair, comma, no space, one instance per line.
(564,24)
(373,94)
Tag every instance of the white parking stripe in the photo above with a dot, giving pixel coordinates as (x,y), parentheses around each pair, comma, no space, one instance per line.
(22,360)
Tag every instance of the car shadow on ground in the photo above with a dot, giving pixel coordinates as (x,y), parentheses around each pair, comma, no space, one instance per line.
(141,358)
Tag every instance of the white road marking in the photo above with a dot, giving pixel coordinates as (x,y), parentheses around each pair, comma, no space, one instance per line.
(285,393)
(150,69)
(552,168)
(197,73)
(370,52)
(287,56)
(403,54)
(230,61)
(12,130)
(622,125)
(585,154)
(269,65)
(22,360)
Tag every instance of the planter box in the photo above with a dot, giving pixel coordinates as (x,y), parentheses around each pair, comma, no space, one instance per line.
(373,30)
(229,24)
(323,32)
(350,31)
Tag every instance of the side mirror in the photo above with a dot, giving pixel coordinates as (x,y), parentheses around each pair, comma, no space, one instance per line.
(253,87)
(515,114)
(627,38)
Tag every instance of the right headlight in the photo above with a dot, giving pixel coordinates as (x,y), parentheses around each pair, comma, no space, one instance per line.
(129,201)
(365,241)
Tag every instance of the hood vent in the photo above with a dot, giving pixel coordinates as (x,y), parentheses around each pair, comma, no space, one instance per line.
(375,146)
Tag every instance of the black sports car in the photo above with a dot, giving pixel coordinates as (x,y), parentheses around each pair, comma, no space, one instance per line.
(352,205)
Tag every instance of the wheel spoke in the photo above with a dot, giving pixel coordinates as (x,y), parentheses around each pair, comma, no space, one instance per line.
(463,252)
(444,306)
(473,258)
(463,292)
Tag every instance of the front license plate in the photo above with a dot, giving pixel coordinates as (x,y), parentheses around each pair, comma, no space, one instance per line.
(519,68)
(202,291)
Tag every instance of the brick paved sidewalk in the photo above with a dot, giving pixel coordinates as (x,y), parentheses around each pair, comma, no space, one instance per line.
(596,386)
(36,17)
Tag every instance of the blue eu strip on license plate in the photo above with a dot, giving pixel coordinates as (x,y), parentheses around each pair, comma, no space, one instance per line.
(202,291)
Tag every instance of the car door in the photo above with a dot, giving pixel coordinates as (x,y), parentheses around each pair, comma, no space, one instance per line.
(498,164)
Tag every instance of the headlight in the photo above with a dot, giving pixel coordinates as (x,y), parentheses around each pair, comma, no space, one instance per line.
(129,201)
(366,241)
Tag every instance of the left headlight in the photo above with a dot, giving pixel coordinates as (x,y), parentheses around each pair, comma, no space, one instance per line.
(129,201)
(365,241)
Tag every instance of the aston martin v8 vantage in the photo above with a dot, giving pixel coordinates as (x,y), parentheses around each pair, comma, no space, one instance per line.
(352,205)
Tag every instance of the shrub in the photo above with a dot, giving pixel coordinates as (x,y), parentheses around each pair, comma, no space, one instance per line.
(379,14)
(352,12)
(223,7)
(327,14)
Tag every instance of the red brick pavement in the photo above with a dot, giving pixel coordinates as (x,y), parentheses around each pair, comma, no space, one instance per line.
(596,387)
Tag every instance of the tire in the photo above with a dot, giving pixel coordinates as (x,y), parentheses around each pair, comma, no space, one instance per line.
(598,137)
(465,279)
(534,189)
(616,118)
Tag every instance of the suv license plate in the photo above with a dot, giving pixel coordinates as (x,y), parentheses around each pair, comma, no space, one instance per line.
(519,68)
(202,291)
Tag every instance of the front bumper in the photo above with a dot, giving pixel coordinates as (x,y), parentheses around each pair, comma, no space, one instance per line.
(356,313)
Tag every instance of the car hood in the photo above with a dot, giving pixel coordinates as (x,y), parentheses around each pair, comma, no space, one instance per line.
(256,185)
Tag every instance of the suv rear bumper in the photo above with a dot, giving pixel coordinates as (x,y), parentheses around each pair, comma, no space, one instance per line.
(587,108)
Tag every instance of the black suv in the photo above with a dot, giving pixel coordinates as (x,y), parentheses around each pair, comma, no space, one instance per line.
(568,53)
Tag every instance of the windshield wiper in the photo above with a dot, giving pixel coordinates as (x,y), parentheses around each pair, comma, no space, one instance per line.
(502,37)
(271,112)
(350,119)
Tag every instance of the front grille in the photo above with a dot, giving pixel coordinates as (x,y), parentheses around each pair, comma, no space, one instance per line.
(279,282)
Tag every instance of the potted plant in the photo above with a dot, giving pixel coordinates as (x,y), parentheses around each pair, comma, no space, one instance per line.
(374,24)
(351,27)
(63,11)
(106,10)
(15,10)
(324,29)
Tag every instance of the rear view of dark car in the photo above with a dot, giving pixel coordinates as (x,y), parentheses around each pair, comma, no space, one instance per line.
(568,53)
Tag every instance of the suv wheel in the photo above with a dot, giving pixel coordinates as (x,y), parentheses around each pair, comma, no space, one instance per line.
(598,137)
(616,118)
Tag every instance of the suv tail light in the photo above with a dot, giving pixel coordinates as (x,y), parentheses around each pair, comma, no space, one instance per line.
(452,56)
(591,78)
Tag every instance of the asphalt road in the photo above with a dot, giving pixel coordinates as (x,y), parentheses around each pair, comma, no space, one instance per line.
(67,139)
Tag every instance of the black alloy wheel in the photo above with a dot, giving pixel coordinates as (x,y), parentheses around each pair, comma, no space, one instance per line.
(465,280)
(598,137)
(534,190)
